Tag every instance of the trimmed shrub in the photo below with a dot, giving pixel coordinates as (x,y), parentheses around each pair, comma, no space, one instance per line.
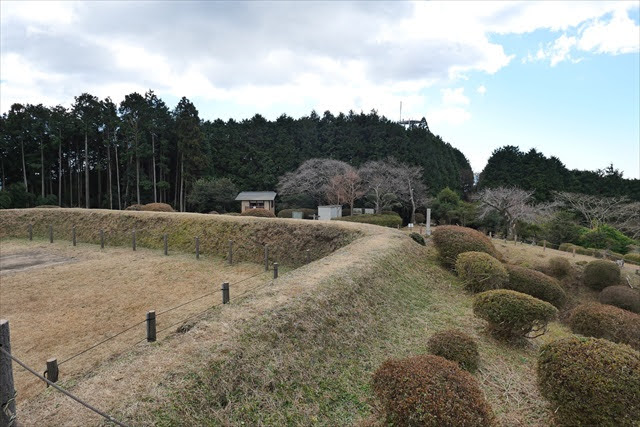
(392,221)
(263,213)
(591,382)
(513,314)
(622,297)
(452,240)
(536,284)
(601,274)
(633,258)
(418,238)
(420,219)
(157,207)
(306,213)
(480,271)
(606,321)
(457,346)
(134,207)
(429,390)
(559,267)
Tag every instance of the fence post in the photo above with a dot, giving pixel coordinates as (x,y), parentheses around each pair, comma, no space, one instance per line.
(515,239)
(428,223)
(101,239)
(230,252)
(266,258)
(133,239)
(308,256)
(151,326)
(544,245)
(197,247)
(490,235)
(165,237)
(7,391)
(52,370)
(225,293)
(574,252)
(275,270)
(30,231)
(51,234)
(73,235)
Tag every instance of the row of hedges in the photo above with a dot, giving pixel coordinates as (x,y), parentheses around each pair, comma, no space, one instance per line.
(393,221)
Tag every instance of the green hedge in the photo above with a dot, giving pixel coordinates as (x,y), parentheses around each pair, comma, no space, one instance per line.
(536,284)
(480,271)
(606,321)
(632,258)
(457,346)
(601,274)
(383,220)
(452,240)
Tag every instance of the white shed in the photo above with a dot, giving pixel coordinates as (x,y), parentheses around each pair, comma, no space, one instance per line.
(326,213)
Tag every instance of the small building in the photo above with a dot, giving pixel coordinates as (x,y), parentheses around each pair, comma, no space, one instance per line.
(326,213)
(257,200)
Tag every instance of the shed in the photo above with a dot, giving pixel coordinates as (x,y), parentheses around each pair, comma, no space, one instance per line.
(257,200)
(326,213)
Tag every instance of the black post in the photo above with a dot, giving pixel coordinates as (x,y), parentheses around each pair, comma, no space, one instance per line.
(73,234)
(275,270)
(101,239)
(166,243)
(230,252)
(151,326)
(197,248)
(52,370)
(51,234)
(225,293)
(133,239)
(266,258)
(30,231)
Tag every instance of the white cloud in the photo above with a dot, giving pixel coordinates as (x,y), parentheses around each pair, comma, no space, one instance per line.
(454,97)
(481,90)
(448,115)
(620,35)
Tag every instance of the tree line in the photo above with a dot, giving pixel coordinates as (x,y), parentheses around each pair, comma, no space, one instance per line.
(100,154)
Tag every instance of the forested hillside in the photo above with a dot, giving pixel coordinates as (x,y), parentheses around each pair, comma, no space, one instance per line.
(508,166)
(99,154)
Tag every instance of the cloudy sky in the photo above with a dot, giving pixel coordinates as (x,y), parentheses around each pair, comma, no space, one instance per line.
(559,77)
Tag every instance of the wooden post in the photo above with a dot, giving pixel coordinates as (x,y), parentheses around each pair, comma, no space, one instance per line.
(266,258)
(308,256)
(428,223)
(230,252)
(544,245)
(490,235)
(197,248)
(73,235)
(515,239)
(165,237)
(574,252)
(51,234)
(275,270)
(151,326)
(101,239)
(225,293)
(30,231)
(7,391)
(52,370)
(133,239)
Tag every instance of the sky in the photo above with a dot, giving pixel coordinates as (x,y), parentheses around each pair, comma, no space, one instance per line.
(563,78)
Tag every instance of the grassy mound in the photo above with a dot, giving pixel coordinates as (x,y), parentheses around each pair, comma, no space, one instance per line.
(608,322)
(622,297)
(429,390)
(600,274)
(452,240)
(457,346)
(392,221)
(536,284)
(480,271)
(512,314)
(591,382)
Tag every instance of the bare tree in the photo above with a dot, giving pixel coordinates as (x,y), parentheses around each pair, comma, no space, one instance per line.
(595,210)
(380,184)
(345,188)
(410,188)
(627,219)
(513,204)
(312,178)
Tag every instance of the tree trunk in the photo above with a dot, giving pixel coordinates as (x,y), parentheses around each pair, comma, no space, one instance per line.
(41,169)
(175,187)
(3,180)
(181,181)
(413,204)
(118,178)
(86,170)
(99,188)
(59,168)
(78,178)
(109,171)
(153,157)
(70,179)
(24,167)
(137,172)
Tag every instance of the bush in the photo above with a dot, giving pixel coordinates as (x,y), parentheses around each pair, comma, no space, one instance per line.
(559,267)
(452,240)
(418,238)
(134,207)
(420,219)
(633,258)
(621,297)
(600,274)
(536,284)
(429,390)
(480,271)
(49,200)
(157,207)
(606,321)
(5,199)
(606,237)
(513,314)
(306,213)
(456,346)
(591,382)
(392,221)
(263,213)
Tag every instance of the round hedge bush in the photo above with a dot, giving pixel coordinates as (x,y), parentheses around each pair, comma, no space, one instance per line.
(480,271)
(457,346)
(452,240)
(591,382)
(600,274)
(621,297)
(134,207)
(606,321)
(559,267)
(157,207)
(429,390)
(263,213)
(513,314)
(536,284)
(417,237)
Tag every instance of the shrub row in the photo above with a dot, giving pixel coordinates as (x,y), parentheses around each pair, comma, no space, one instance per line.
(393,221)
(622,297)
(606,321)
(457,346)
(452,240)
(597,253)
(536,284)
(480,271)
(591,382)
